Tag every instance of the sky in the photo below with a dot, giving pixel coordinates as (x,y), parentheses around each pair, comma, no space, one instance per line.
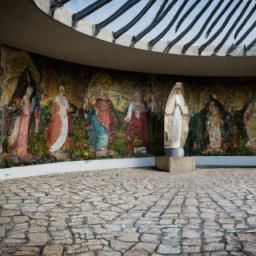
(107,10)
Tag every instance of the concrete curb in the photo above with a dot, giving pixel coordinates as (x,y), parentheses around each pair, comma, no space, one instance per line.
(75,166)
(107,164)
(226,161)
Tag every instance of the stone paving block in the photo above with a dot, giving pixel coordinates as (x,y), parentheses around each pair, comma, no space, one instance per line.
(169,249)
(28,251)
(53,250)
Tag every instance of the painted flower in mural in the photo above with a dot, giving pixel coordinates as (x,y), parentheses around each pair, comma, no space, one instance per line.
(102,119)
(136,118)
(19,135)
(249,120)
(59,128)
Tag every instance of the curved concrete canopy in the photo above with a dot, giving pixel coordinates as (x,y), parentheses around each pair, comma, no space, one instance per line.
(192,27)
(24,25)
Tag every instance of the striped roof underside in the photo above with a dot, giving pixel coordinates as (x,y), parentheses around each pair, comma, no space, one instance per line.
(236,15)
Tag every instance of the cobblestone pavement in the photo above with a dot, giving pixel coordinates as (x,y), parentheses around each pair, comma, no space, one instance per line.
(131,212)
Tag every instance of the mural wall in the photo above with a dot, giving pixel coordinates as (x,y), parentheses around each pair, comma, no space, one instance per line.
(55,111)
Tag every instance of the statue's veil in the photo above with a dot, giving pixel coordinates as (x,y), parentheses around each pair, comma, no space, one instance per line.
(169,108)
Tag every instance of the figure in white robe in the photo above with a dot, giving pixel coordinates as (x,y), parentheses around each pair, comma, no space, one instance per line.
(59,127)
(176,119)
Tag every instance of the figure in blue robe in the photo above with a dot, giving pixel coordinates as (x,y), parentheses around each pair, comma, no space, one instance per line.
(99,131)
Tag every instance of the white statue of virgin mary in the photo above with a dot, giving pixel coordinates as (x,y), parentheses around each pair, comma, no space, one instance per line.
(176,122)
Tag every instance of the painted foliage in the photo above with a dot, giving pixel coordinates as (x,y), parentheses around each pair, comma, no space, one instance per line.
(56,111)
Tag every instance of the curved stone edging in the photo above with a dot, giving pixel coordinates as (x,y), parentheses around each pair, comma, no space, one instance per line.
(226,161)
(75,166)
(107,164)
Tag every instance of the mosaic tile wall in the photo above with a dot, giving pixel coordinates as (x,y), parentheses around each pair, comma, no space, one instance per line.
(56,111)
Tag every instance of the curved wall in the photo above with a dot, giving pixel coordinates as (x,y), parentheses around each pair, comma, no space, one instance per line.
(75,112)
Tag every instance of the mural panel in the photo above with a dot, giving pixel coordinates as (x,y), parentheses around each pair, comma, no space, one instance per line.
(55,111)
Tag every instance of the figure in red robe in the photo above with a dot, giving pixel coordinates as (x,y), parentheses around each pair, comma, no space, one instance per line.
(137,121)
(19,135)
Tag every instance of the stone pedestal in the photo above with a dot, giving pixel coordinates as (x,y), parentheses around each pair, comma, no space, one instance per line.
(176,164)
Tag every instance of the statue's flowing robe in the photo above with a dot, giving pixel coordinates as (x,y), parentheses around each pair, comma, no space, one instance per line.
(176,127)
(176,121)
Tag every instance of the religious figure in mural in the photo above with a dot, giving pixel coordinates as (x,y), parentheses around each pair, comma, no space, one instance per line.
(122,115)
(213,124)
(176,122)
(19,135)
(249,120)
(102,118)
(137,121)
(17,65)
(58,133)
(210,129)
